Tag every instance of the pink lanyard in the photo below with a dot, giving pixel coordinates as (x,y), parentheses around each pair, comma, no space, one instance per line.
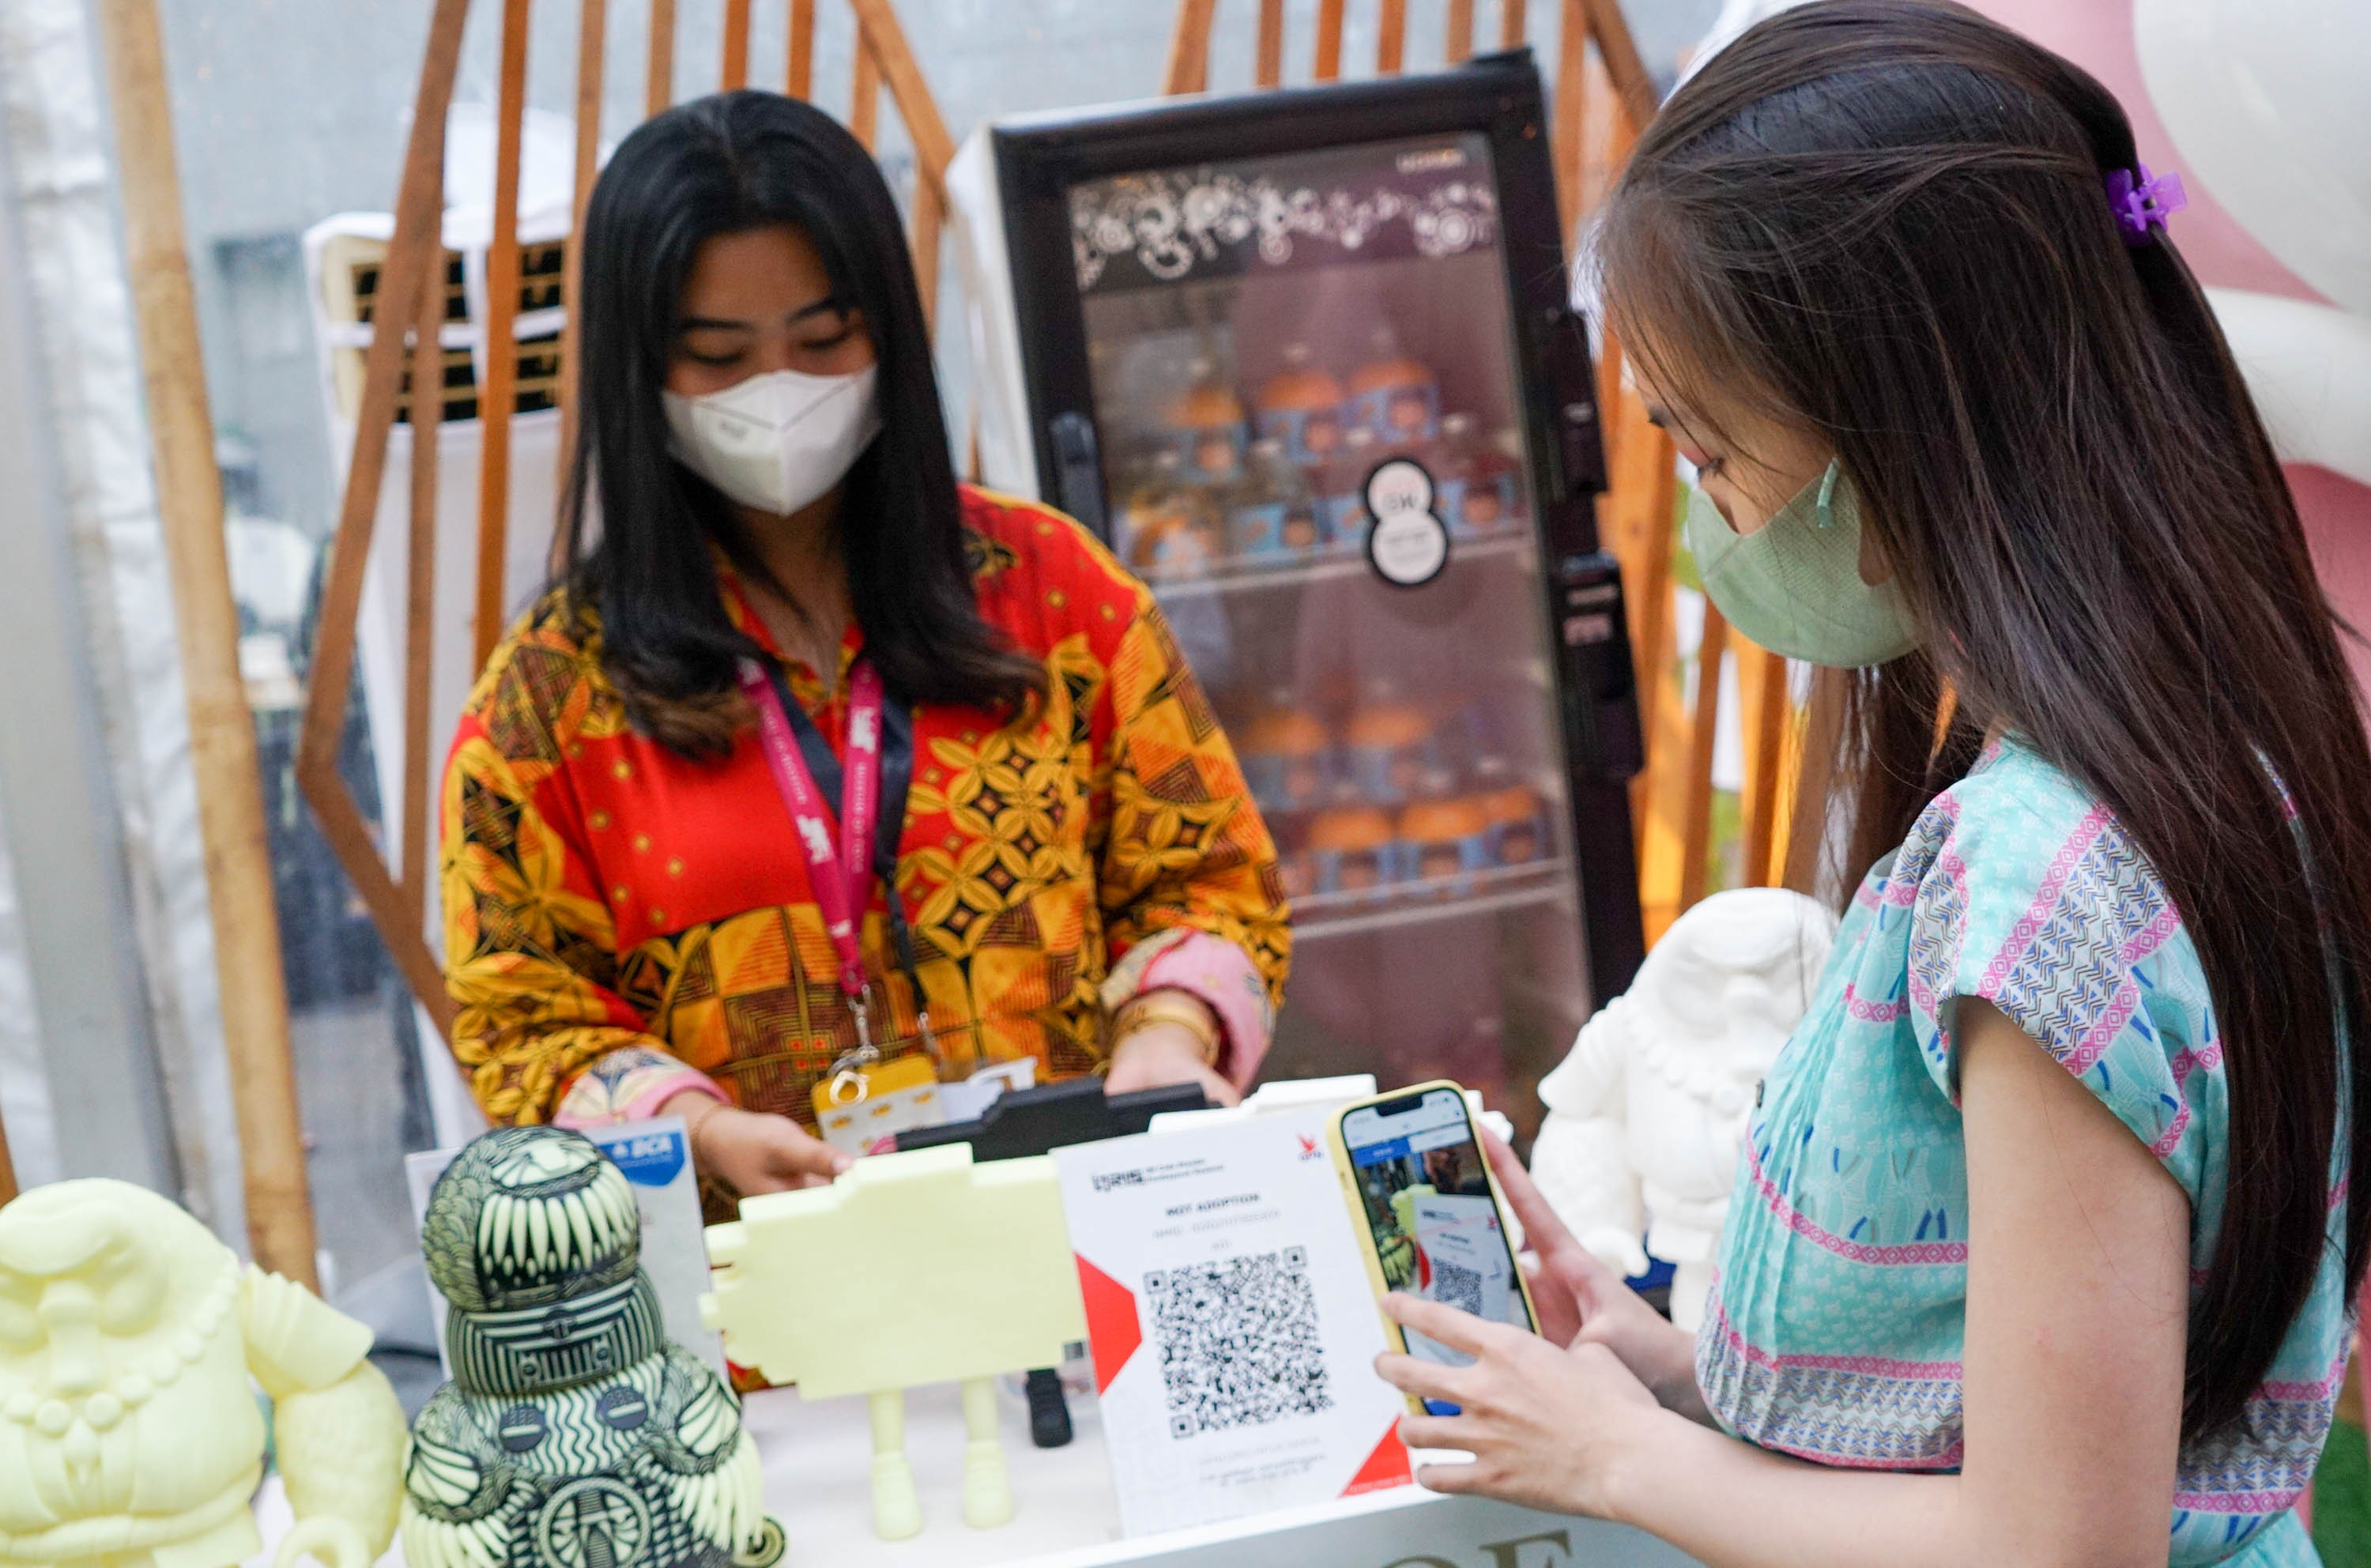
(842,877)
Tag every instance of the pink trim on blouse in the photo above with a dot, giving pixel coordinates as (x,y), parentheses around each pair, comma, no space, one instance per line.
(630,1084)
(1217,972)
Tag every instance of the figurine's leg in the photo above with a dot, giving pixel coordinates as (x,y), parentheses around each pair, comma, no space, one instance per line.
(1049,1414)
(987,1494)
(896,1511)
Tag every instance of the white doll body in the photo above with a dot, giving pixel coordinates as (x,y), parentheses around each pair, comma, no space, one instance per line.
(129,1433)
(1645,1115)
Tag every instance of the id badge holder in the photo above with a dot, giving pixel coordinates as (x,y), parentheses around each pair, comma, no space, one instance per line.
(863,1105)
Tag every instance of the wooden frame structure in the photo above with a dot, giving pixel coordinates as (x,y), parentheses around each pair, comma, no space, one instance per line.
(412,288)
(1602,96)
(223,755)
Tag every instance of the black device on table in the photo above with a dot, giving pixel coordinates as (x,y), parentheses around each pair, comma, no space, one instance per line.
(1023,1121)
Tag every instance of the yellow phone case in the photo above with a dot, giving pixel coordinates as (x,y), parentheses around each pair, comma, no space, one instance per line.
(1347,1174)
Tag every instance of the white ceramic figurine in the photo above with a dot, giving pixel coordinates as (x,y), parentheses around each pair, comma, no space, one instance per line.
(1647,1113)
(128,1432)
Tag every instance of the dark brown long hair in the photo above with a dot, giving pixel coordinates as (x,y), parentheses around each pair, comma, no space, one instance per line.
(736,161)
(1886,220)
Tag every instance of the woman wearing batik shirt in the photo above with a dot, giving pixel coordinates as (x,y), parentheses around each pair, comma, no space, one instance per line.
(2043,1241)
(677,874)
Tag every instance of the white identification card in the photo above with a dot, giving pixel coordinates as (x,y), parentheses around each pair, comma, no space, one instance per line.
(871,1124)
(656,1158)
(1231,1323)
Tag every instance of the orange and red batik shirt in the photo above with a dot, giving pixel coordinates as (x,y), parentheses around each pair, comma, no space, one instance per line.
(621,923)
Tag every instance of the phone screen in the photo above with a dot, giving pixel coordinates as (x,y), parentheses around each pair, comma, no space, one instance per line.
(1425,1192)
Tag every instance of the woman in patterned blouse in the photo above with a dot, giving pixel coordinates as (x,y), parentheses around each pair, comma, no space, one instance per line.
(2045,1238)
(763,493)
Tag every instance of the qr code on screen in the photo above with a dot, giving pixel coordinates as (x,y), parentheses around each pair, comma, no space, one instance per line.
(1239,1341)
(1455,1286)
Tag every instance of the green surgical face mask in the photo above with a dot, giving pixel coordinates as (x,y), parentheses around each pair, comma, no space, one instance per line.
(1794,584)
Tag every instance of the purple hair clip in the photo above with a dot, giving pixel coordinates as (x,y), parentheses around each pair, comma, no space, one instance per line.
(2140,202)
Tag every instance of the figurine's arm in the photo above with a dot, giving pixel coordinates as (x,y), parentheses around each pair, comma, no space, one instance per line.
(709,1460)
(455,1490)
(1578,1159)
(337,1426)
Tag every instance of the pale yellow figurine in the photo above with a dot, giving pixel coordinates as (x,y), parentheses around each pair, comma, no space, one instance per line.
(933,1270)
(132,1439)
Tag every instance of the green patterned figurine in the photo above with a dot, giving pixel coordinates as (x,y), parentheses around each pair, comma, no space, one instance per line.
(574,1434)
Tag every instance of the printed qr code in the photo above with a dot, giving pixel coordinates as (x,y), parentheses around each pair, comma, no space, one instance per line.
(1239,1341)
(1455,1286)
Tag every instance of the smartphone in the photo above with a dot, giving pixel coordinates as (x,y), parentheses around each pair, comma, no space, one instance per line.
(1424,1195)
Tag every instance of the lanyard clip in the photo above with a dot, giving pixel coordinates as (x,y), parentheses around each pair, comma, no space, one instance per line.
(848,1083)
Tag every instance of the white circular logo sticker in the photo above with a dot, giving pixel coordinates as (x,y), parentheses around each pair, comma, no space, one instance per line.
(1408,545)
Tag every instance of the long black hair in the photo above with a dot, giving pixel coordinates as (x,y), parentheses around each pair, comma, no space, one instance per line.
(1886,219)
(719,165)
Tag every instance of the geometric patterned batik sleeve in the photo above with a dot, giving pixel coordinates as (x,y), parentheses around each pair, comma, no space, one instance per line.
(2037,901)
(530,954)
(1186,848)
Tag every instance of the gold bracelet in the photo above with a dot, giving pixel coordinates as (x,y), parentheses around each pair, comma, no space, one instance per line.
(1167,1006)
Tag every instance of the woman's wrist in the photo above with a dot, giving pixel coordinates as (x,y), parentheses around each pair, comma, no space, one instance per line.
(698,1109)
(1168,1014)
(1664,1443)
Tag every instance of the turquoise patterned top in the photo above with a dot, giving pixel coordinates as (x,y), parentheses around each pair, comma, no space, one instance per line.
(1835,1325)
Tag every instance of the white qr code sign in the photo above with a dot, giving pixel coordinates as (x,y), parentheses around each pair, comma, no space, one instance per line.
(1233,1326)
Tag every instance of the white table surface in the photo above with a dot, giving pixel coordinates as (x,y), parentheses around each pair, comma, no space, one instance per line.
(818,1458)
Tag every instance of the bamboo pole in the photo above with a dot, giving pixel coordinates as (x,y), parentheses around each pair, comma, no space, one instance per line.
(222,728)
(798,73)
(929,220)
(1391,37)
(1327,66)
(1460,47)
(1815,775)
(880,34)
(499,383)
(658,84)
(1762,687)
(736,45)
(1565,117)
(1188,70)
(1604,23)
(416,252)
(1696,838)
(1510,23)
(864,99)
(1269,71)
(420,560)
(591,27)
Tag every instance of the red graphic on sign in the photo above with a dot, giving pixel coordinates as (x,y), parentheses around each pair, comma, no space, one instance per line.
(1113,1331)
(1387,1466)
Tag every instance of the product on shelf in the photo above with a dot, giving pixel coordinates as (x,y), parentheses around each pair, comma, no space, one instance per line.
(1389,745)
(1446,836)
(1301,406)
(1296,863)
(1274,512)
(1168,528)
(1345,483)
(1517,833)
(1476,478)
(1394,396)
(1354,849)
(1205,428)
(1288,756)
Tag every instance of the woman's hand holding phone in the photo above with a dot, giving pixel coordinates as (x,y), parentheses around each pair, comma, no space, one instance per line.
(1581,1301)
(1551,1419)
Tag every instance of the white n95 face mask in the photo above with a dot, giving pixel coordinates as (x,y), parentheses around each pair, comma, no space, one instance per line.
(776,441)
